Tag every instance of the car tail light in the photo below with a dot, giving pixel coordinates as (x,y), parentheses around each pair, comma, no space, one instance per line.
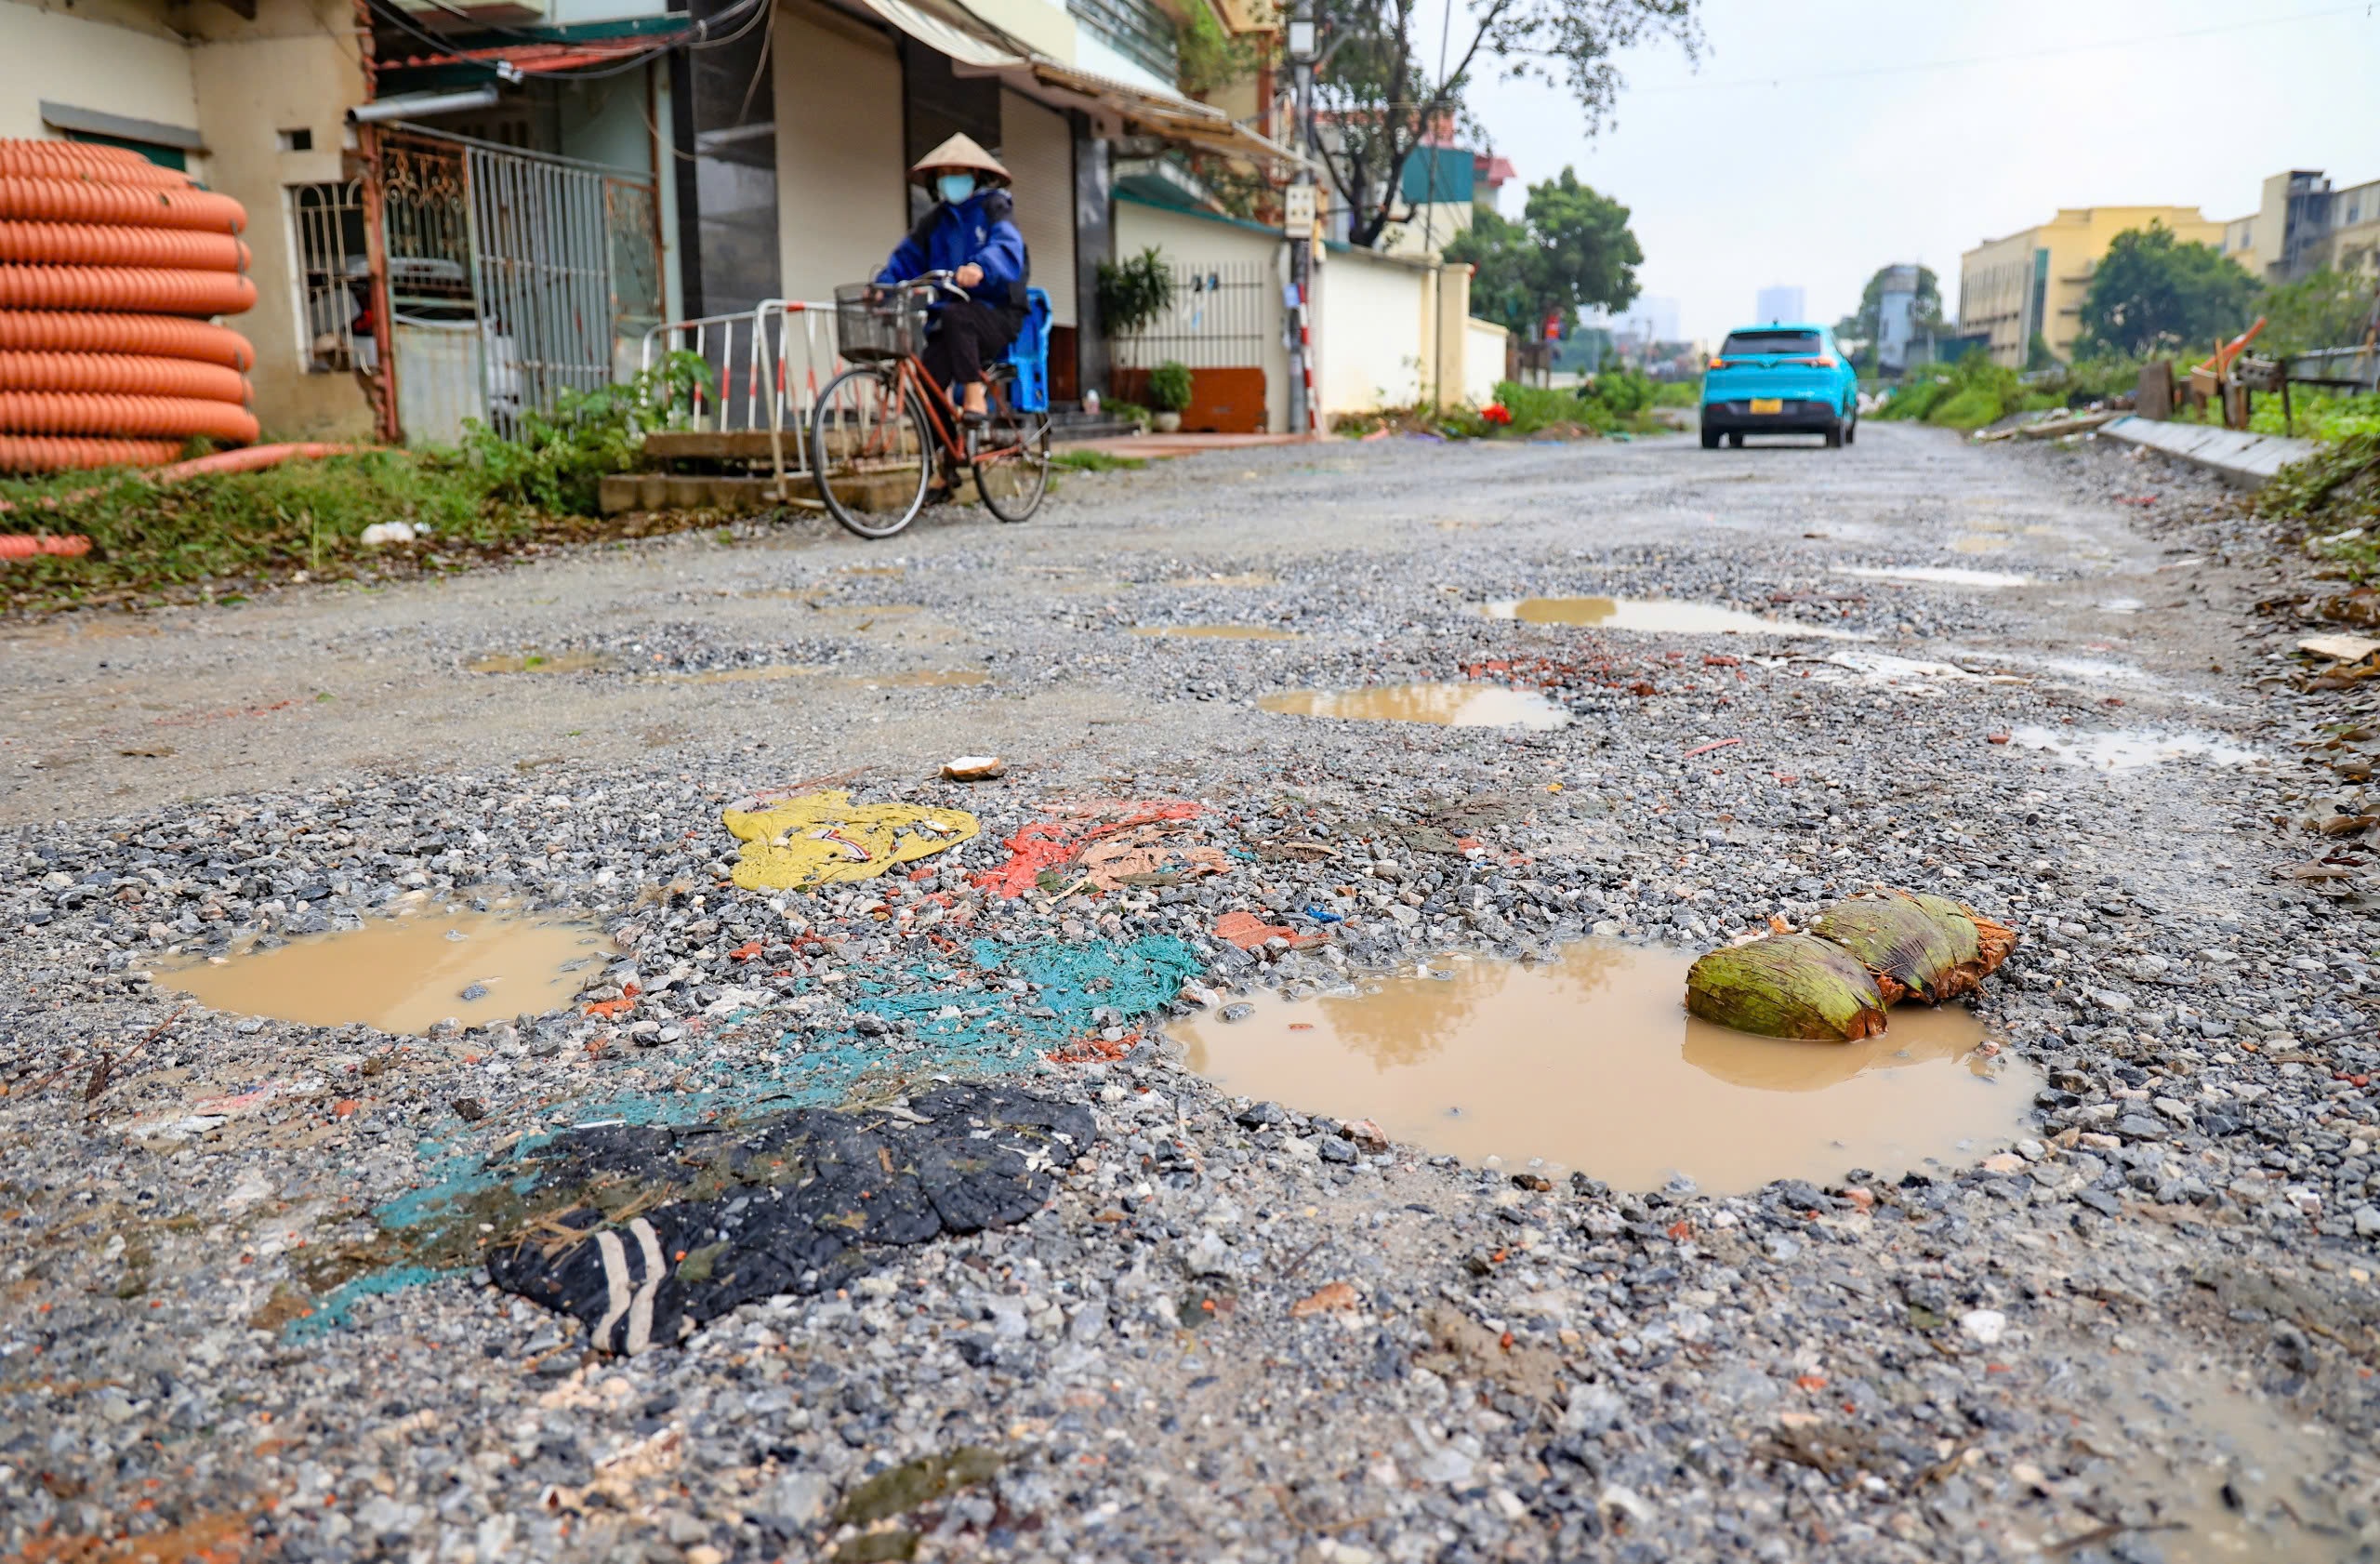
(1718,364)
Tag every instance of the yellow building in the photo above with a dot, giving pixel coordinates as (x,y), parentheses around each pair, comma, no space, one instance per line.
(2035,281)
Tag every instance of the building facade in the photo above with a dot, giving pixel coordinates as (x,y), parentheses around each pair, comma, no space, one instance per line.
(2033,281)
(2301,225)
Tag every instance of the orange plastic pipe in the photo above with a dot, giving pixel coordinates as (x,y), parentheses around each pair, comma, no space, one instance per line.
(55,200)
(148,290)
(84,244)
(84,413)
(83,160)
(23,548)
(40,453)
(248,460)
(76,331)
(125,373)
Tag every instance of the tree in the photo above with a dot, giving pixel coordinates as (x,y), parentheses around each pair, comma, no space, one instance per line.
(2324,310)
(1864,324)
(2152,291)
(1572,250)
(1374,93)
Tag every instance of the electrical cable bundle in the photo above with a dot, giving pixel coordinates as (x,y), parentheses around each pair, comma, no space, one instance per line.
(109,267)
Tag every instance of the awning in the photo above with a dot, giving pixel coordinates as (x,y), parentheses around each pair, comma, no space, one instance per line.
(1169,115)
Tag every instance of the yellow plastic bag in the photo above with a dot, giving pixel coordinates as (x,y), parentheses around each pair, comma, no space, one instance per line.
(820,839)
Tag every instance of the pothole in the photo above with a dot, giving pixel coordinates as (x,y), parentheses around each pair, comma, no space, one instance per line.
(404,974)
(746,675)
(1453,706)
(1653,614)
(1592,1063)
(2219,1476)
(2127,750)
(1218,632)
(1936,575)
(543,662)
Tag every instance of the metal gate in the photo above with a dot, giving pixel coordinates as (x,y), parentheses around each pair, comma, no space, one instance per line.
(510,276)
(1222,319)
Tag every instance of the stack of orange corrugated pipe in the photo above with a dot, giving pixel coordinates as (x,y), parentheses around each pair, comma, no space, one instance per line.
(109,266)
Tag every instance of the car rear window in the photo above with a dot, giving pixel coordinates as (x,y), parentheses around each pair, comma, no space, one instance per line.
(1750,344)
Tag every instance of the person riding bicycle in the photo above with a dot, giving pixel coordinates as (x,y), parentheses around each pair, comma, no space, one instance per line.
(970,233)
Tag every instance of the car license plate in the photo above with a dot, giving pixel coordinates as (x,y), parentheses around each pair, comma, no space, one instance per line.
(1768,404)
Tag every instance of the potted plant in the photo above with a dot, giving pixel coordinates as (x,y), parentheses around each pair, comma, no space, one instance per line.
(1130,413)
(1170,393)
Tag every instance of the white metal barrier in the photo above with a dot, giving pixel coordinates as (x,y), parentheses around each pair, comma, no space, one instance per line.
(768,364)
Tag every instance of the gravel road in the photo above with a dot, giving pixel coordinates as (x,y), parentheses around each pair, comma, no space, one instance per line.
(277,1290)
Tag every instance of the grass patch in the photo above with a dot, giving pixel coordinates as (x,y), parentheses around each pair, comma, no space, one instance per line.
(1093,461)
(1619,402)
(218,538)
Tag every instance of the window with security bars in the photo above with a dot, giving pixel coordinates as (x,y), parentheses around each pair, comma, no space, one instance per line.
(333,276)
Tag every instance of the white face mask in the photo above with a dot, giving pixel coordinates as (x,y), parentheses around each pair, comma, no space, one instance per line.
(955,187)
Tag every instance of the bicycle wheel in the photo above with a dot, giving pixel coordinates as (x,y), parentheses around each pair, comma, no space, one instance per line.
(1012,464)
(870,452)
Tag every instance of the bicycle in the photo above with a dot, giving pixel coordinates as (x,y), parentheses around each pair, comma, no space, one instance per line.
(883,429)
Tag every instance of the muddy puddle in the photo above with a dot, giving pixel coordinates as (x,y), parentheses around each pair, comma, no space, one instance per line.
(2129,750)
(1652,615)
(1592,1062)
(1453,706)
(2222,1472)
(543,662)
(1217,632)
(1936,575)
(761,674)
(404,975)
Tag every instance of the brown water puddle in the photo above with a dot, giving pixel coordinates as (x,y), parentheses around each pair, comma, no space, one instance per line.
(1218,632)
(1592,1062)
(543,662)
(2247,1443)
(1652,615)
(1453,706)
(404,974)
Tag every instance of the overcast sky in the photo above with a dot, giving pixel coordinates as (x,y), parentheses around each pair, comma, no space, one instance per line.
(1810,148)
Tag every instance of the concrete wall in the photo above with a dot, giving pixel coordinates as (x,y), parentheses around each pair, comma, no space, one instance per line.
(1483,360)
(841,201)
(1187,237)
(1374,316)
(106,56)
(294,69)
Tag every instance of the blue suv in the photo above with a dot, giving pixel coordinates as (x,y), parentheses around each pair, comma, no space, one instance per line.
(1779,379)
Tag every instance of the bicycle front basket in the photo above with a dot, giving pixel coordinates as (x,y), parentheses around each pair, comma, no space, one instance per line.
(873,322)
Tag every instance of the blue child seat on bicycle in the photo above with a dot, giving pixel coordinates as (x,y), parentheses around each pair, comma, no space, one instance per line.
(1028,356)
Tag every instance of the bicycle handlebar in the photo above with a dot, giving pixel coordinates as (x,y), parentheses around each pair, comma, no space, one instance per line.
(939,280)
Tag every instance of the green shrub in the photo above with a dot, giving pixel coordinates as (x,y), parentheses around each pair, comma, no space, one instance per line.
(1169,386)
(1133,292)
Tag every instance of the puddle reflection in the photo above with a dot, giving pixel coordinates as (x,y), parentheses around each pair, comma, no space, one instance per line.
(404,974)
(1592,1062)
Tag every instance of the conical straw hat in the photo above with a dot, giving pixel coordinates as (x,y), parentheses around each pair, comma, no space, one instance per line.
(960,152)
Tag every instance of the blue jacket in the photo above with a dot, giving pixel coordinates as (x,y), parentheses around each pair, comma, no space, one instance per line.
(977,230)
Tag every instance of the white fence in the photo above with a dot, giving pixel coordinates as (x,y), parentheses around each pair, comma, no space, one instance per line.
(767,366)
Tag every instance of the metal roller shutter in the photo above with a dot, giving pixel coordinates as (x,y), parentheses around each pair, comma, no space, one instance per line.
(1038,145)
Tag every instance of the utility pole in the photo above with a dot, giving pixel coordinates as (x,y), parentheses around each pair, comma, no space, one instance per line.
(1298,222)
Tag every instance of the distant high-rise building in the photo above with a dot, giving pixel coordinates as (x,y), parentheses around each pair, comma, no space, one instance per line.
(1782,302)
